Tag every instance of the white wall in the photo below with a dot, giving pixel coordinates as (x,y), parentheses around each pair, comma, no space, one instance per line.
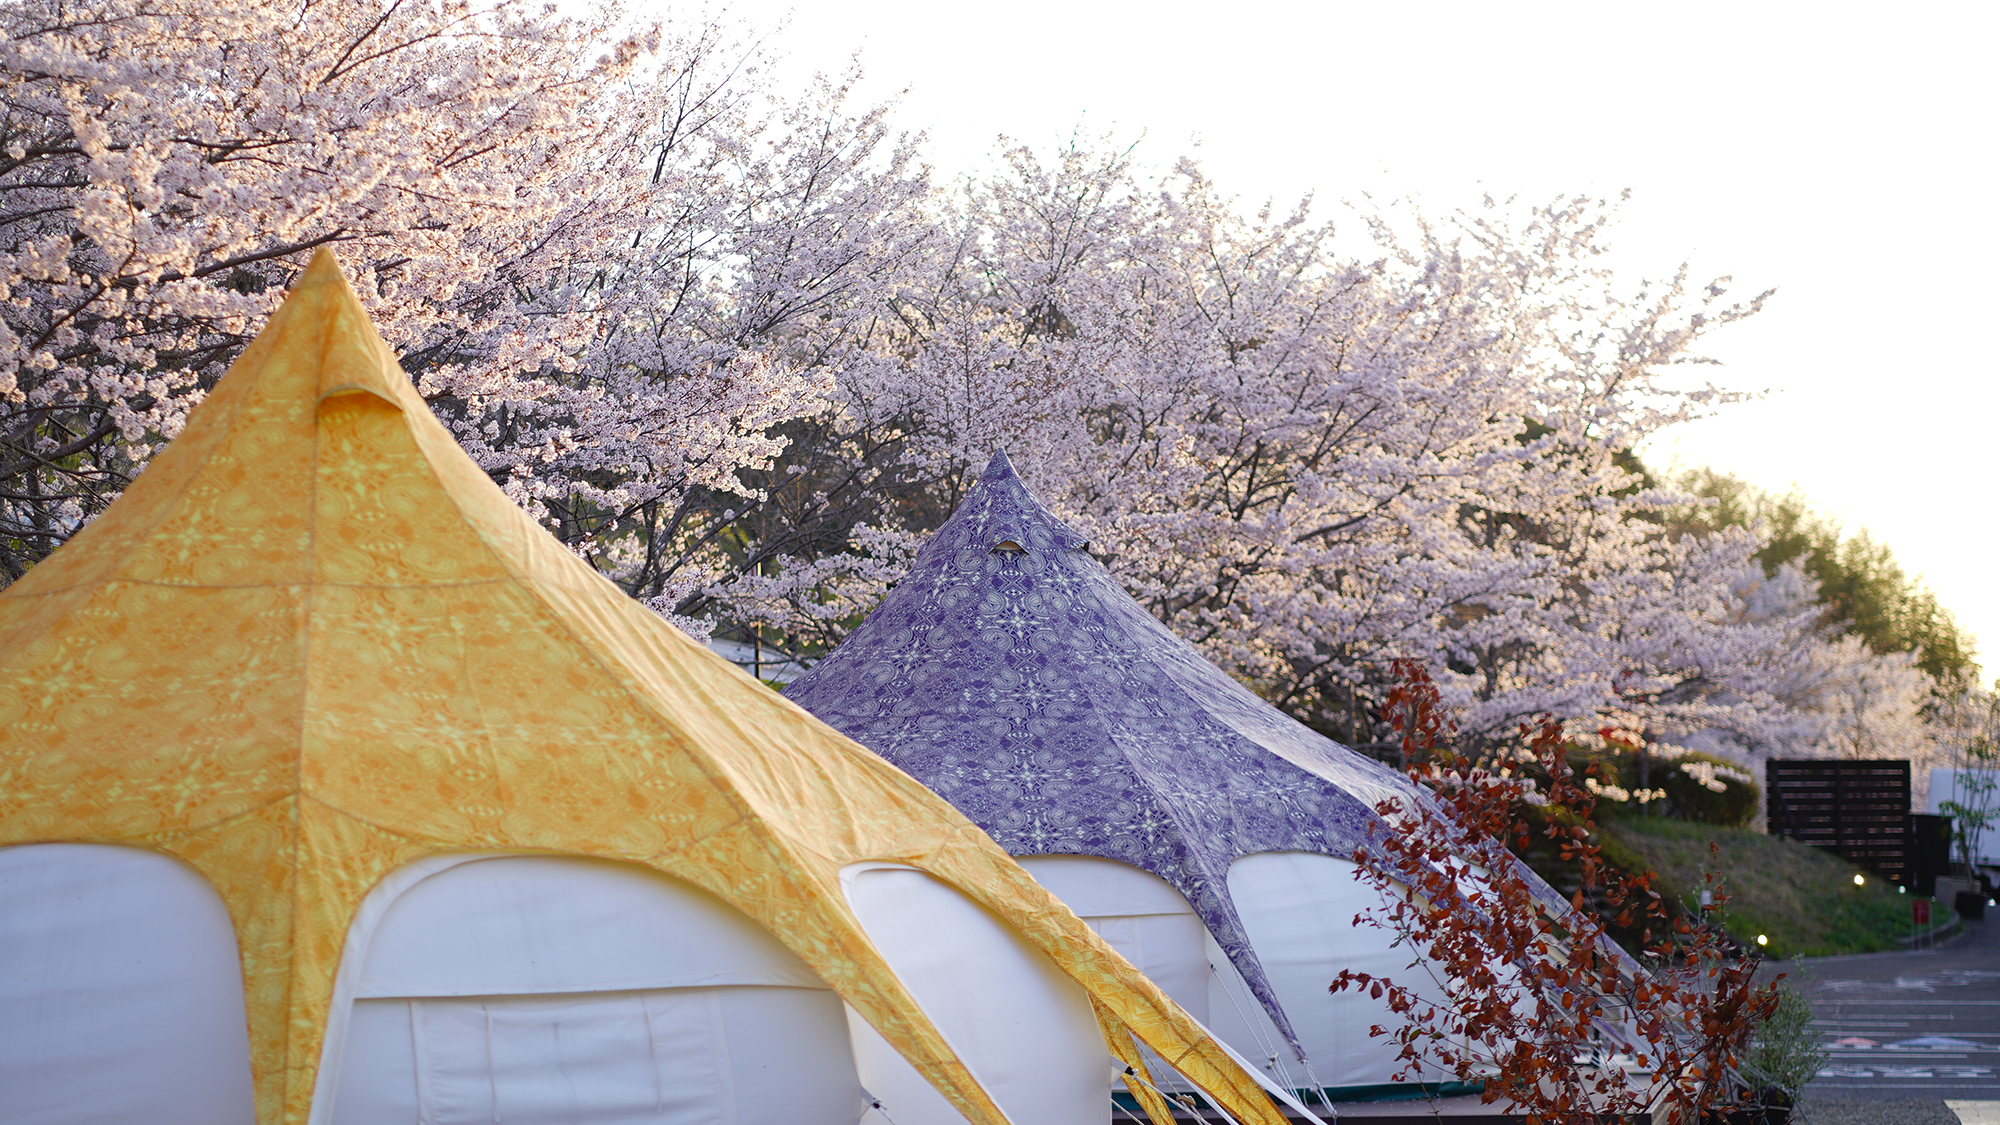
(1950,785)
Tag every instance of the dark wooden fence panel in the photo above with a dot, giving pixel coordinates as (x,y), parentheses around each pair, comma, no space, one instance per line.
(1860,811)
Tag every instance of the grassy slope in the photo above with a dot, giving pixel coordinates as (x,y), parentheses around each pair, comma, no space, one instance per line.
(1803,899)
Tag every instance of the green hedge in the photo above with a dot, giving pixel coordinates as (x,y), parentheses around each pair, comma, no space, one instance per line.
(1735,805)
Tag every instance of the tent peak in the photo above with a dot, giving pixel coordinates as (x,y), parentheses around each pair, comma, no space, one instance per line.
(998,467)
(1000,513)
(353,356)
(322,269)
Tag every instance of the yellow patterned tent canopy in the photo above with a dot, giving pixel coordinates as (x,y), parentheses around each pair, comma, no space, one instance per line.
(313,642)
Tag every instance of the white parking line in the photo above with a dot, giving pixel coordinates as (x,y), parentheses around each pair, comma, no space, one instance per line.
(1822,1085)
(1904,1002)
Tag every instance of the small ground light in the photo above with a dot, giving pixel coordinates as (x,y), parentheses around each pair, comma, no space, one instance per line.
(1762,940)
(1858,880)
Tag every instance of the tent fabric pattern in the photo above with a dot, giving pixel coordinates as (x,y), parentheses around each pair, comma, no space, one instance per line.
(313,643)
(1012,674)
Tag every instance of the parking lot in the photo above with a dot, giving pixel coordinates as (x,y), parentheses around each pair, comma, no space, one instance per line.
(1919,1026)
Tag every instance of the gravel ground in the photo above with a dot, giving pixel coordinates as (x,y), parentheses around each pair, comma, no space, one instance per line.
(1900,1111)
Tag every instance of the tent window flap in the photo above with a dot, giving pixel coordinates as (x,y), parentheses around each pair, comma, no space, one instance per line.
(505,1002)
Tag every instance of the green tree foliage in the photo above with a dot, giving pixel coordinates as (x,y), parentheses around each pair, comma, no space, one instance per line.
(1865,590)
(1785,1052)
(1693,786)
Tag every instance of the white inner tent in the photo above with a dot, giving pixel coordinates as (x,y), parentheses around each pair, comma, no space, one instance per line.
(532,989)
(545,989)
(524,989)
(121,994)
(1298,909)
(1023,1028)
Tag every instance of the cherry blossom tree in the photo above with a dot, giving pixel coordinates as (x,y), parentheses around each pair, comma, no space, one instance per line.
(168,166)
(612,259)
(1311,465)
(732,345)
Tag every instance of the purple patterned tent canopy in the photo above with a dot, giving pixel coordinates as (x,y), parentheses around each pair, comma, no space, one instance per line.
(1014,676)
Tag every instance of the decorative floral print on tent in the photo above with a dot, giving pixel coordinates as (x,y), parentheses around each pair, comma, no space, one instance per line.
(1014,676)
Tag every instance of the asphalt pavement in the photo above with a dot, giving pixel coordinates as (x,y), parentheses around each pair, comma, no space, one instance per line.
(1908,1031)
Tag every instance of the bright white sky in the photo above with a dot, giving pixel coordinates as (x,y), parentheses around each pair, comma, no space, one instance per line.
(1839,152)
